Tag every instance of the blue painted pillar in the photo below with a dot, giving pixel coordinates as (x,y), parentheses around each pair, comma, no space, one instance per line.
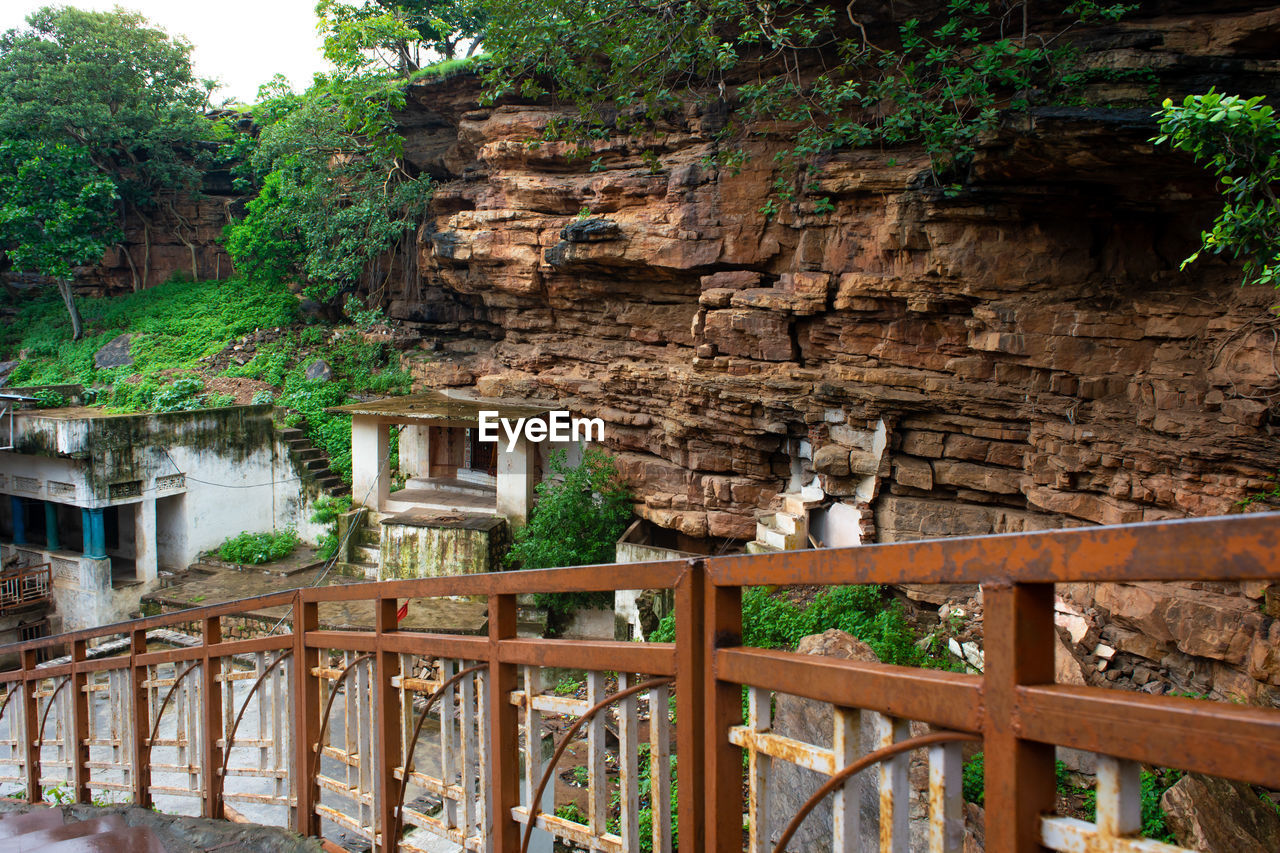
(97,536)
(19,520)
(51,540)
(86,532)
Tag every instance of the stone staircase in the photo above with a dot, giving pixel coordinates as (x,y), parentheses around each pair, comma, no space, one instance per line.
(361,557)
(313,461)
(44,829)
(788,528)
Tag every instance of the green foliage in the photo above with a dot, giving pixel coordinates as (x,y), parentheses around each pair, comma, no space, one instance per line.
(394,35)
(569,811)
(327,510)
(253,549)
(772,622)
(335,193)
(47,398)
(1238,140)
(178,323)
(580,513)
(110,82)
(57,211)
(1153,786)
(972,780)
(941,83)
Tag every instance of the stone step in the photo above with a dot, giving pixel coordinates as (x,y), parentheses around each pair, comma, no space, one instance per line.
(317,464)
(291,433)
(365,554)
(761,548)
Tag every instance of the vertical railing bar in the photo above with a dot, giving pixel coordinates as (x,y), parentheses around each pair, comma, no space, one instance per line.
(1119,797)
(78,730)
(388,722)
(597,795)
(759,719)
(141,721)
(212,729)
(533,764)
(306,718)
(31,722)
(895,789)
(946,800)
(691,694)
(722,627)
(447,746)
(1019,784)
(502,730)
(660,767)
(846,814)
(629,767)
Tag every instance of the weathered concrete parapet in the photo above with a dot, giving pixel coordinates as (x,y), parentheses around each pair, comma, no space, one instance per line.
(433,544)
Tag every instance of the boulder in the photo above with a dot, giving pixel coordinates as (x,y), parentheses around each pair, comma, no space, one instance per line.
(832,459)
(319,369)
(1213,815)
(115,353)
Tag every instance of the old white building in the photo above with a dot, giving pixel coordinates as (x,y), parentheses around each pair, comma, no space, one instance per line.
(109,500)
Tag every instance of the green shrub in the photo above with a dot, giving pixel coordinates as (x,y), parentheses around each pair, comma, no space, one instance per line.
(773,622)
(253,549)
(47,398)
(973,781)
(327,510)
(580,514)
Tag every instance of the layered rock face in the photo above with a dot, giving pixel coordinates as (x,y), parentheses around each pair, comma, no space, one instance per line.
(1021,352)
(1025,346)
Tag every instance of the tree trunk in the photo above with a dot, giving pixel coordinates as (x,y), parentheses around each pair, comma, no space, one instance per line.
(77,325)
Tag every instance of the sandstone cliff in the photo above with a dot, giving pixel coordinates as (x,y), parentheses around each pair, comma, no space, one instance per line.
(1017,354)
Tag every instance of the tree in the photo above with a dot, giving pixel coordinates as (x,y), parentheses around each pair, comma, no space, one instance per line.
(392,34)
(580,514)
(1238,140)
(335,192)
(801,70)
(116,88)
(57,211)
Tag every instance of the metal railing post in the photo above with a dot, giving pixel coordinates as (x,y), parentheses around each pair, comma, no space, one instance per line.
(31,724)
(721,628)
(388,729)
(691,680)
(1019,774)
(306,717)
(211,668)
(79,723)
(141,723)
(504,735)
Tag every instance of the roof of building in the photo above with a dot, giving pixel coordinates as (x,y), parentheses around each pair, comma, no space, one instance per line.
(442,406)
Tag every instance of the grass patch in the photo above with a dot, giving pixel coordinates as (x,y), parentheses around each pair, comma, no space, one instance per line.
(178,323)
(252,549)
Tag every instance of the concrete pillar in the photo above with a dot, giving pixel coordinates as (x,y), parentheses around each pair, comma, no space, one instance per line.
(145,553)
(19,520)
(95,534)
(517,476)
(370,467)
(51,539)
(415,451)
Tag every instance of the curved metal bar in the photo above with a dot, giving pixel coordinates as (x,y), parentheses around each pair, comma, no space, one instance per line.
(874,757)
(417,732)
(328,706)
(9,695)
(564,742)
(44,718)
(155,727)
(226,750)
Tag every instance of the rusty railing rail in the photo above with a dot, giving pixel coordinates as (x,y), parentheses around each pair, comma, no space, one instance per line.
(24,586)
(343,704)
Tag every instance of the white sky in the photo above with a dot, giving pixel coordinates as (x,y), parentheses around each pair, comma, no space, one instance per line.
(242,43)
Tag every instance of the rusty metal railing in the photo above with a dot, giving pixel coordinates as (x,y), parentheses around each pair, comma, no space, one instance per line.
(326,741)
(24,586)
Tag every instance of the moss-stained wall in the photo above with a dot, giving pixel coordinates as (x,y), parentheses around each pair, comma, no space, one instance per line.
(434,545)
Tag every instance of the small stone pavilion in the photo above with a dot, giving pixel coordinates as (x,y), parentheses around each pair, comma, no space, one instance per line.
(461,496)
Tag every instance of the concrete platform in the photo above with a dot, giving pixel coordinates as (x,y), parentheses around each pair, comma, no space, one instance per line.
(444,495)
